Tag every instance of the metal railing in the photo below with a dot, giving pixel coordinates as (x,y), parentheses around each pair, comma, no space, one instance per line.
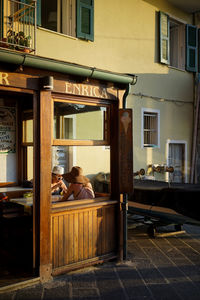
(18,24)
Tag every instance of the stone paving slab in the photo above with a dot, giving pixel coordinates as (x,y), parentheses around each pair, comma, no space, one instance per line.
(166,268)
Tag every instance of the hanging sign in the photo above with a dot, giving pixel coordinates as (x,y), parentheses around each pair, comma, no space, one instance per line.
(7,130)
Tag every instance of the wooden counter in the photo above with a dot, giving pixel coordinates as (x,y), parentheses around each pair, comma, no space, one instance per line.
(82,231)
(15,191)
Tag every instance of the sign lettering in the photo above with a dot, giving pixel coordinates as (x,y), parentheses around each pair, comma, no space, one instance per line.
(85,90)
(68,87)
(4,78)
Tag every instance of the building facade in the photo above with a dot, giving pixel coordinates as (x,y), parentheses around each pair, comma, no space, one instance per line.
(67,69)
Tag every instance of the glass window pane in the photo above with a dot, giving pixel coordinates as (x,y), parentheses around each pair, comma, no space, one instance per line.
(79,121)
(192,36)
(27,131)
(49,14)
(85,20)
(29,163)
(8,155)
(94,160)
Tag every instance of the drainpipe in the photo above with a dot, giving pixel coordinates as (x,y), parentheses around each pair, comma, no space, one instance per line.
(194,157)
(125,195)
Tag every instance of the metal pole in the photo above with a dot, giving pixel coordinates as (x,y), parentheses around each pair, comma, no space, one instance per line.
(125,236)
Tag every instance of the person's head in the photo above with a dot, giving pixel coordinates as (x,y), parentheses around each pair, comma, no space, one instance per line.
(76,176)
(57,173)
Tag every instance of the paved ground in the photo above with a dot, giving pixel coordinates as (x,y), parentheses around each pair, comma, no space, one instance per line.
(156,269)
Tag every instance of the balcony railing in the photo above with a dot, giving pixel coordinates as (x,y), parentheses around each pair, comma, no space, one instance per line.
(18,26)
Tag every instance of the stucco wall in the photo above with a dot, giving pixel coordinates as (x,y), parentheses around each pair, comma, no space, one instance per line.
(126,40)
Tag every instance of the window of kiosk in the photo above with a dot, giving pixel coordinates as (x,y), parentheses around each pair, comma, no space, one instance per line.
(81,138)
(16,142)
(8,146)
(16,199)
(27,144)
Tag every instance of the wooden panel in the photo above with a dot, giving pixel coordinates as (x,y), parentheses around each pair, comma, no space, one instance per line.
(76,239)
(94,89)
(65,240)
(70,238)
(125,151)
(90,229)
(80,236)
(94,235)
(60,241)
(99,231)
(45,183)
(83,234)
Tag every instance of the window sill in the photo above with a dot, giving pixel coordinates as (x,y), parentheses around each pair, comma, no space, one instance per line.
(150,146)
(14,189)
(175,68)
(79,204)
(61,34)
(57,33)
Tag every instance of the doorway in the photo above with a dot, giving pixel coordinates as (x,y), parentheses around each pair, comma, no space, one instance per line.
(17,231)
(176,158)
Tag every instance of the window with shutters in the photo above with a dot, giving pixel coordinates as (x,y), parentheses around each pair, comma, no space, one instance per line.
(150,128)
(178,43)
(70,17)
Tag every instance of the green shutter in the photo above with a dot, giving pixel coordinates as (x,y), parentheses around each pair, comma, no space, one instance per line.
(198,52)
(39,23)
(191,48)
(164,38)
(1,19)
(32,17)
(85,19)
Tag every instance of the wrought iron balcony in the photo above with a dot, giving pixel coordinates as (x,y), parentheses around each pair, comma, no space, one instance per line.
(18,26)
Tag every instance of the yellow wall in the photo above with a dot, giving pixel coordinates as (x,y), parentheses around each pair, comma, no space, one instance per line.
(93,159)
(126,40)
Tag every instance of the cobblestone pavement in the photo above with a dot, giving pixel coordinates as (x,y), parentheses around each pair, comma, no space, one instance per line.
(156,269)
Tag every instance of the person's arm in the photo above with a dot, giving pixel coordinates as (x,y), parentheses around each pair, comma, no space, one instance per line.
(63,187)
(55,186)
(70,191)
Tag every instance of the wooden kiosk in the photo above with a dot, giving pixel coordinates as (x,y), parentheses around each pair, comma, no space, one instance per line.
(71,117)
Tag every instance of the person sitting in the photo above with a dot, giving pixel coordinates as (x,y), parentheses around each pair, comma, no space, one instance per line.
(80,186)
(57,184)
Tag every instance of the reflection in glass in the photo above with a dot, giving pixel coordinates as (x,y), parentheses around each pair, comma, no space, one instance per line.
(97,170)
(27,131)
(79,121)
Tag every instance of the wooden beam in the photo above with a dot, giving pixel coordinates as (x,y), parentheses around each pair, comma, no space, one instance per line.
(45,184)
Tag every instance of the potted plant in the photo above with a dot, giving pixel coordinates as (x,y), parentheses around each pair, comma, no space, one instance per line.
(11,39)
(23,41)
(18,41)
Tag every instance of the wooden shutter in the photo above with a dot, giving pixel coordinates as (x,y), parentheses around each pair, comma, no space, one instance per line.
(39,23)
(164,38)
(191,48)
(125,151)
(85,19)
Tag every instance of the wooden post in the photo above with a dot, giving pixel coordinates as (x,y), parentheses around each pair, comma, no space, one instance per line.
(45,184)
(125,165)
